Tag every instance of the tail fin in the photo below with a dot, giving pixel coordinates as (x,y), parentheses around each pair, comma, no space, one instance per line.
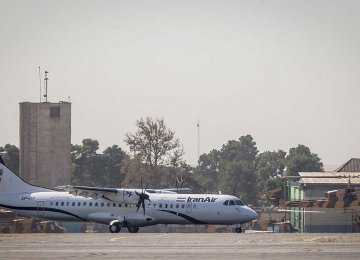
(11,183)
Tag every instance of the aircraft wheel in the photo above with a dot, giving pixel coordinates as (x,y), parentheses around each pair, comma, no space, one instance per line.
(115,228)
(133,229)
(238,230)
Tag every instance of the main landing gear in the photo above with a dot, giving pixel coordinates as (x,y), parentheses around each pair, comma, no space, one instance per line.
(116,228)
(238,230)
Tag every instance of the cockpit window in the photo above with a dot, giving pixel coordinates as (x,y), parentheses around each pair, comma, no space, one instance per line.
(239,202)
(232,203)
(226,203)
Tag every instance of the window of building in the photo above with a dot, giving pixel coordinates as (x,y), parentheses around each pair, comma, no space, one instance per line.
(55,111)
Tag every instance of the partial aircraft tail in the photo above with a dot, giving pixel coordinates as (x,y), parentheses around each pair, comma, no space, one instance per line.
(11,183)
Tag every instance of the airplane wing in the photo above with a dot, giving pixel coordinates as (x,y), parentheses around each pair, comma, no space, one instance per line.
(91,192)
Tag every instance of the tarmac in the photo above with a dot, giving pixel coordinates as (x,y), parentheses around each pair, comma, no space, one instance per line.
(179,246)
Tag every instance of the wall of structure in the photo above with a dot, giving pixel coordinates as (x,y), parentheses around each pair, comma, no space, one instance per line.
(45,143)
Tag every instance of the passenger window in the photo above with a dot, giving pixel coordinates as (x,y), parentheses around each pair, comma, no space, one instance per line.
(56,203)
(67,203)
(154,205)
(84,204)
(90,204)
(171,206)
(183,206)
(232,203)
(108,204)
(166,205)
(102,204)
(51,203)
(125,205)
(73,203)
(194,206)
(119,205)
(177,206)
(160,205)
(226,203)
(114,204)
(96,204)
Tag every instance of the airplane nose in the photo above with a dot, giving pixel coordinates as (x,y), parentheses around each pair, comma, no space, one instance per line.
(253,214)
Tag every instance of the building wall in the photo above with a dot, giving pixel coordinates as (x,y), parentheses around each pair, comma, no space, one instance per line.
(331,220)
(45,143)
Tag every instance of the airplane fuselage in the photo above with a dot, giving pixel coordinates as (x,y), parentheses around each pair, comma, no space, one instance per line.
(162,209)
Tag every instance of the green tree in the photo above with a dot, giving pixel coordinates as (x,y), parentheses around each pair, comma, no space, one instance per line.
(237,168)
(300,159)
(208,171)
(114,165)
(93,169)
(269,170)
(238,178)
(154,144)
(11,157)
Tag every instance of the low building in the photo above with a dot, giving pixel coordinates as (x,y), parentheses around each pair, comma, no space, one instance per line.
(312,186)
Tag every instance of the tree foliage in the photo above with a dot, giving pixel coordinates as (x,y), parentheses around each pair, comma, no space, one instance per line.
(93,169)
(208,171)
(11,157)
(237,169)
(269,170)
(301,159)
(154,144)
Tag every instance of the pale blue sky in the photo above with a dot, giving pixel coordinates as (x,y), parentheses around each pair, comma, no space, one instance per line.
(286,72)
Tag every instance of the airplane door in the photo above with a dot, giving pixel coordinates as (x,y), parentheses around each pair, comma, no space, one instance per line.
(40,209)
(188,207)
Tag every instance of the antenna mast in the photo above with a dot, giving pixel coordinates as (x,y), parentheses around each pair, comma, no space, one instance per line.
(46,86)
(198,128)
(40,83)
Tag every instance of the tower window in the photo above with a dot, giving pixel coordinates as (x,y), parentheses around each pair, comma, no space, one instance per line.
(54,111)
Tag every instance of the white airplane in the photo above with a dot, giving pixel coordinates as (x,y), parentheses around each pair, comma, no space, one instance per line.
(120,207)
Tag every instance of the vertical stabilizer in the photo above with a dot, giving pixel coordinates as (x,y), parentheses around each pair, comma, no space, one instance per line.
(11,183)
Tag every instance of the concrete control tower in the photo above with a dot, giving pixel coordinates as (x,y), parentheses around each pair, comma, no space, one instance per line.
(45,143)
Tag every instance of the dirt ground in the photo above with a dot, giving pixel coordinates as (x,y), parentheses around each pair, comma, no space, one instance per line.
(180,246)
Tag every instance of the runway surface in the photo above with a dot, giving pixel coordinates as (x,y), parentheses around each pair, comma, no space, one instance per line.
(179,246)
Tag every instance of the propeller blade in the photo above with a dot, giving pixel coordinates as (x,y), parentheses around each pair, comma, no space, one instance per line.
(143,204)
(138,205)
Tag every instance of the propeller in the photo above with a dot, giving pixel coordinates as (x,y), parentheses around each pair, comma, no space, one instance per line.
(142,197)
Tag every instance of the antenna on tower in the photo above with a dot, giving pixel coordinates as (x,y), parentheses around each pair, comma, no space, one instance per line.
(40,83)
(46,86)
(198,128)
